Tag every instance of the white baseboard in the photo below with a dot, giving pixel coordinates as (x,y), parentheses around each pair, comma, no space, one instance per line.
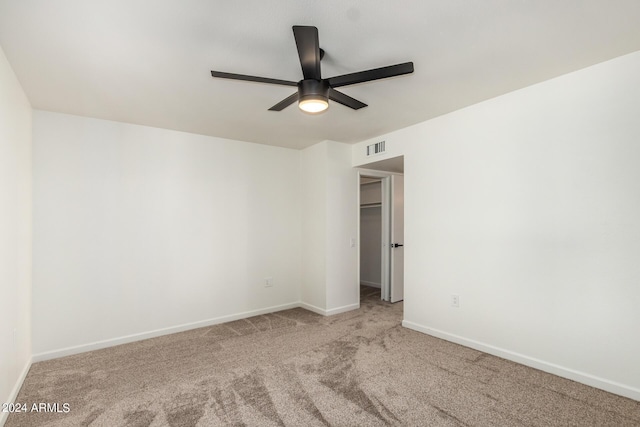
(581,377)
(331,311)
(342,309)
(16,389)
(54,354)
(371,284)
(313,308)
(97,345)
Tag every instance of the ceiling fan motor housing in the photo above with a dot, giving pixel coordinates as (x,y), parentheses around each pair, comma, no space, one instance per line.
(313,89)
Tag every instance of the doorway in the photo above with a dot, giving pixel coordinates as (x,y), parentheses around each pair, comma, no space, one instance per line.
(381,227)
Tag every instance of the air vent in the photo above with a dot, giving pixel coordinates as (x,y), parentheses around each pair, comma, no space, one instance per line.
(375,149)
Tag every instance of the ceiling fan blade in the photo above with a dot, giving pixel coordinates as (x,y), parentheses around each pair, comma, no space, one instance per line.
(345,100)
(374,74)
(233,76)
(308,50)
(285,103)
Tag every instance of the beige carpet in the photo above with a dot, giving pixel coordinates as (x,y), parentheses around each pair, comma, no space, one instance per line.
(296,368)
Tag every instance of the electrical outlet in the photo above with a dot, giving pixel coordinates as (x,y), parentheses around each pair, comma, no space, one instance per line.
(455,301)
(268,282)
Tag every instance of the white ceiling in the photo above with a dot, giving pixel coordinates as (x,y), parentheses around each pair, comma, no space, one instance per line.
(148,61)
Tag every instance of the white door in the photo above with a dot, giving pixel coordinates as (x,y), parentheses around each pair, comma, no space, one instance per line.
(397,238)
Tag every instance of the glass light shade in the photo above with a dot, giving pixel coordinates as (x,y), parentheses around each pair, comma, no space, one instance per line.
(313,105)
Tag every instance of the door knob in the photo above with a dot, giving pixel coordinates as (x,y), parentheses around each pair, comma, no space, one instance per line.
(395,245)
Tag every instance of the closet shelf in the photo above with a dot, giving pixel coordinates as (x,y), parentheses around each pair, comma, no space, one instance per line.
(370,205)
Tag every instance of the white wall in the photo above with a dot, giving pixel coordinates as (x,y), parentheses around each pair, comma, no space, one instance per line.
(527,206)
(329,222)
(313,172)
(15,233)
(342,229)
(139,229)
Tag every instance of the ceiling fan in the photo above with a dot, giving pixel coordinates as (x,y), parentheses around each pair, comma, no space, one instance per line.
(314,92)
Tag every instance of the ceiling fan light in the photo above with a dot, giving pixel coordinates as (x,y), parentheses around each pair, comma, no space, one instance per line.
(313,95)
(313,105)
